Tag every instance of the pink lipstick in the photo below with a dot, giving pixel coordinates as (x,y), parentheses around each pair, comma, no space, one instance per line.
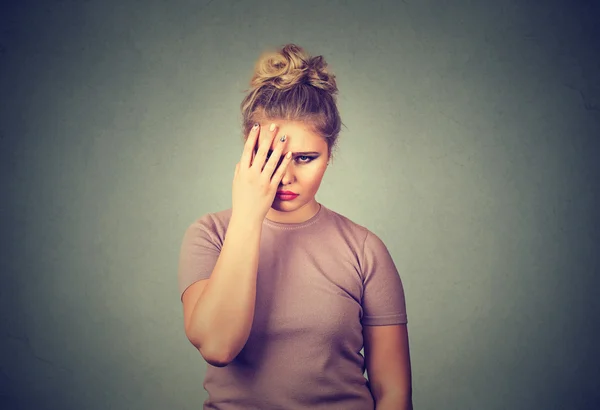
(286,195)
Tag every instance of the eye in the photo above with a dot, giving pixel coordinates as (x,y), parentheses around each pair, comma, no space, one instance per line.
(307,160)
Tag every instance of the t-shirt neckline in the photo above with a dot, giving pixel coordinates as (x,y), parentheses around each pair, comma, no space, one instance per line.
(297,225)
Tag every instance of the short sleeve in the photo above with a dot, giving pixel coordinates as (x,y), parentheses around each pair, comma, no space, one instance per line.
(383,300)
(199,252)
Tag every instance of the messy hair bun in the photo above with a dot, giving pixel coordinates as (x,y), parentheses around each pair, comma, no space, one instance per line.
(289,84)
(290,66)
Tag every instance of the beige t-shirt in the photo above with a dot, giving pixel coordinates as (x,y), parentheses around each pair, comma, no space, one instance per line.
(318,283)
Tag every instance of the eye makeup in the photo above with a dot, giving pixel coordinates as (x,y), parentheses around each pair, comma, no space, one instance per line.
(306,161)
(306,158)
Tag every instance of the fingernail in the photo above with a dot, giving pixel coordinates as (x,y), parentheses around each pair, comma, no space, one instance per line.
(282,139)
(272,127)
(255,126)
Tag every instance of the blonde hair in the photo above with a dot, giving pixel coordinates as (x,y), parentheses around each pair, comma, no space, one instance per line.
(291,85)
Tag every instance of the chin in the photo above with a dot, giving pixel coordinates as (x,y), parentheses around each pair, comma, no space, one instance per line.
(283,206)
(286,206)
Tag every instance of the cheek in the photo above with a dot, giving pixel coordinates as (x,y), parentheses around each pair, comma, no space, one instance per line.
(313,177)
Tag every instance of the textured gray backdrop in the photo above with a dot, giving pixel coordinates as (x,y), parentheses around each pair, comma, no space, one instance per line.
(470,147)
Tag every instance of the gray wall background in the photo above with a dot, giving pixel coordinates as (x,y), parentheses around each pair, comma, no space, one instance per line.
(471,148)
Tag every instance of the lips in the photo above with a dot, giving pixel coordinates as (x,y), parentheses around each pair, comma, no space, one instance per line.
(286,195)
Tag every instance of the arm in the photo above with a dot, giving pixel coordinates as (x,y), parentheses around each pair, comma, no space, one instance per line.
(388,366)
(218,313)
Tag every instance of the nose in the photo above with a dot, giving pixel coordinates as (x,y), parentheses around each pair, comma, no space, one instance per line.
(288,175)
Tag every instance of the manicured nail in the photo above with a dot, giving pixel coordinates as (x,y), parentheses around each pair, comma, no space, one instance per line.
(255,126)
(272,127)
(282,139)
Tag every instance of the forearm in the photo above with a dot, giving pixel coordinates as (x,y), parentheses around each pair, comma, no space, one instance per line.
(223,316)
(392,401)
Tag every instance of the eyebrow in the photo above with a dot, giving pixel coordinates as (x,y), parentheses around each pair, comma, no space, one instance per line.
(299,153)
(306,153)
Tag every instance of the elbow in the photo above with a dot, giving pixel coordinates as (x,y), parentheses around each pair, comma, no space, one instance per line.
(216,362)
(214,356)
(214,352)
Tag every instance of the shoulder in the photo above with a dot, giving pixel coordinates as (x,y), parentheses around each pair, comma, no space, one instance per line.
(365,243)
(345,224)
(364,235)
(213,219)
(369,246)
(211,225)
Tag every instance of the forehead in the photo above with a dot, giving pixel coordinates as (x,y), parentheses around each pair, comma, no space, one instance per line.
(299,135)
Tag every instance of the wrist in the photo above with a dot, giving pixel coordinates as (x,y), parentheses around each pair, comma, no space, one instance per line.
(245,223)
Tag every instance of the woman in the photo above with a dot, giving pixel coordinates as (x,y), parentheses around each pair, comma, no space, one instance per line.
(280,293)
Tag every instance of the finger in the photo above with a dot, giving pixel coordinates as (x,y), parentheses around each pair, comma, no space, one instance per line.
(263,148)
(278,176)
(273,160)
(247,154)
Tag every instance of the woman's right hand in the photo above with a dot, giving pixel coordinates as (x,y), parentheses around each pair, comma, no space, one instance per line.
(254,187)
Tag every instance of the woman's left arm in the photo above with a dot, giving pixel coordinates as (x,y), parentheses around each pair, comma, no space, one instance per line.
(387,359)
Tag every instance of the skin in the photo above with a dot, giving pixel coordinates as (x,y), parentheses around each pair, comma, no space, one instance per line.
(387,357)
(304,173)
(387,352)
